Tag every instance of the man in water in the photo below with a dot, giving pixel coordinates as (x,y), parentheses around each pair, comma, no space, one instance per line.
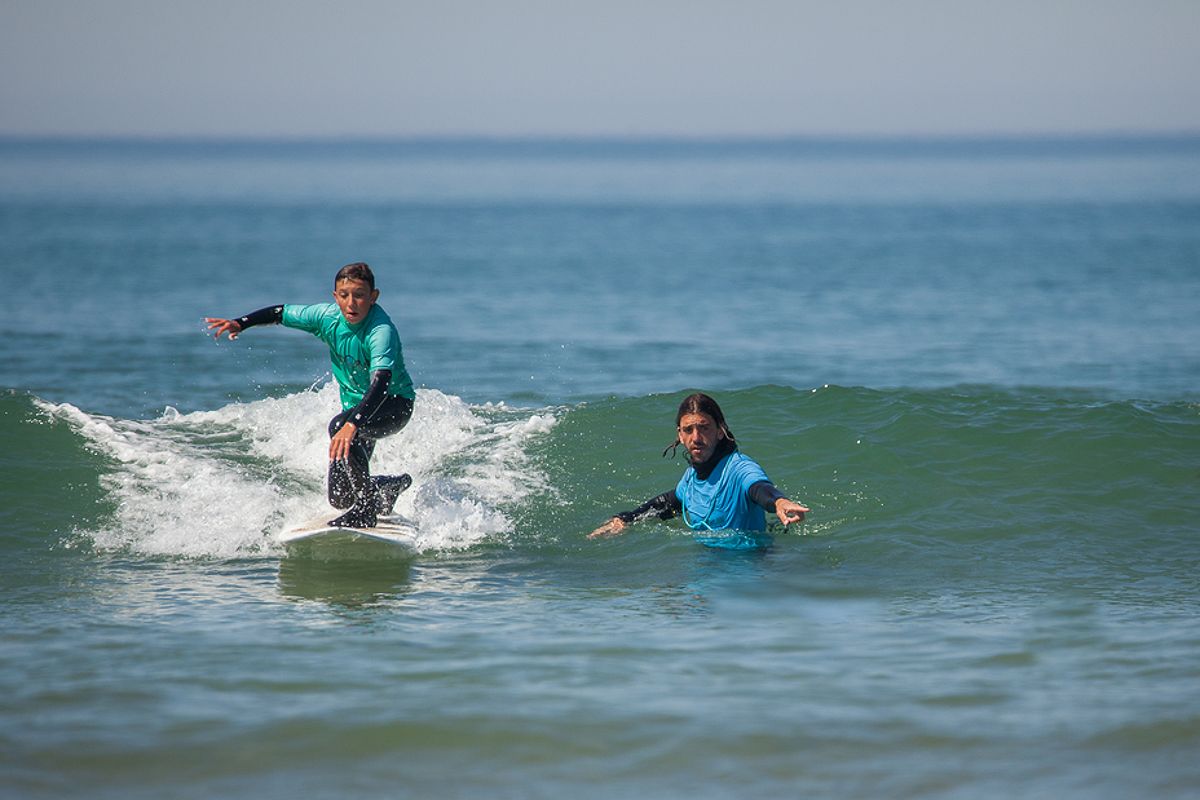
(376,391)
(722,489)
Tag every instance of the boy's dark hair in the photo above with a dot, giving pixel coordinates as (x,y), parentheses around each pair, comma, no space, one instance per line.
(700,403)
(358,271)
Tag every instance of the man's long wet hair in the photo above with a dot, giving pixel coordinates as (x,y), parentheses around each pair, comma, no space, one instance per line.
(358,271)
(700,403)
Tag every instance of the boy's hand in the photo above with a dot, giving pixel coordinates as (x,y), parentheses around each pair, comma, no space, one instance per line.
(224,326)
(339,445)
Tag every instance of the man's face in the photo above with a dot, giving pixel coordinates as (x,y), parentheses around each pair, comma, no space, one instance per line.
(700,435)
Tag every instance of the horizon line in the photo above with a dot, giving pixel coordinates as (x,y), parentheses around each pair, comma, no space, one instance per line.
(1107,135)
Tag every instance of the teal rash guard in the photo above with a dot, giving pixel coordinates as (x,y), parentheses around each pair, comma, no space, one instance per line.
(355,351)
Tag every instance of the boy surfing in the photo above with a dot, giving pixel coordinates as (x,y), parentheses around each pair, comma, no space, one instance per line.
(376,391)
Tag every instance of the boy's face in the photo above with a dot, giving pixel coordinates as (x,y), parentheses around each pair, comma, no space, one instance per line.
(355,299)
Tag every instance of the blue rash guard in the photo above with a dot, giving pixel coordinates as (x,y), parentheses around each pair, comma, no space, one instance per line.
(722,500)
(355,351)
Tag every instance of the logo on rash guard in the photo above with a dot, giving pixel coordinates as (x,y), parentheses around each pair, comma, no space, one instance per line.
(348,362)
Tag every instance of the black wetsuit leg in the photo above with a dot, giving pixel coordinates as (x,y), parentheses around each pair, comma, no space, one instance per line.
(350,482)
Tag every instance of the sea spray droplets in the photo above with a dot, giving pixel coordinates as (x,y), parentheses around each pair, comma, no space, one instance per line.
(172,498)
(479,466)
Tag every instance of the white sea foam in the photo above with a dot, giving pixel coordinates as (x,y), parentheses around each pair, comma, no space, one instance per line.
(222,483)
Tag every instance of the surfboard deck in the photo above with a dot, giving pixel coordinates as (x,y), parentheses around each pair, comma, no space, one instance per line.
(391,530)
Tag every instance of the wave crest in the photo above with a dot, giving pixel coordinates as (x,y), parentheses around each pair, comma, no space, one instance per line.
(222,483)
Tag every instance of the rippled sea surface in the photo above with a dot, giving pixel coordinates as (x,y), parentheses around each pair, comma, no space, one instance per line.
(977,363)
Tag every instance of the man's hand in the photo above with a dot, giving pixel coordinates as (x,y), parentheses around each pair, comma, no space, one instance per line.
(611,528)
(789,512)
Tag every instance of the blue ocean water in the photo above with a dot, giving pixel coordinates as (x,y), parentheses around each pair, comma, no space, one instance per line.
(976,360)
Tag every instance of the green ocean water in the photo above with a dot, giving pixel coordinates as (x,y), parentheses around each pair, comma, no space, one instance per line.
(976,363)
(1000,580)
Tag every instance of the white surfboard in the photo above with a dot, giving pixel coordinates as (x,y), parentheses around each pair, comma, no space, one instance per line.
(391,530)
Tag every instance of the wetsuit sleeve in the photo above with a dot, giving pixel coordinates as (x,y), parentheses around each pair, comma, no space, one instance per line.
(373,399)
(664,506)
(765,494)
(271,315)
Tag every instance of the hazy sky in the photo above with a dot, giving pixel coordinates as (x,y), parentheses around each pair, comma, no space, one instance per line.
(625,67)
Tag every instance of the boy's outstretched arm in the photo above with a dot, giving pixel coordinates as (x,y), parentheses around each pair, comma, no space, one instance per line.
(271,315)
